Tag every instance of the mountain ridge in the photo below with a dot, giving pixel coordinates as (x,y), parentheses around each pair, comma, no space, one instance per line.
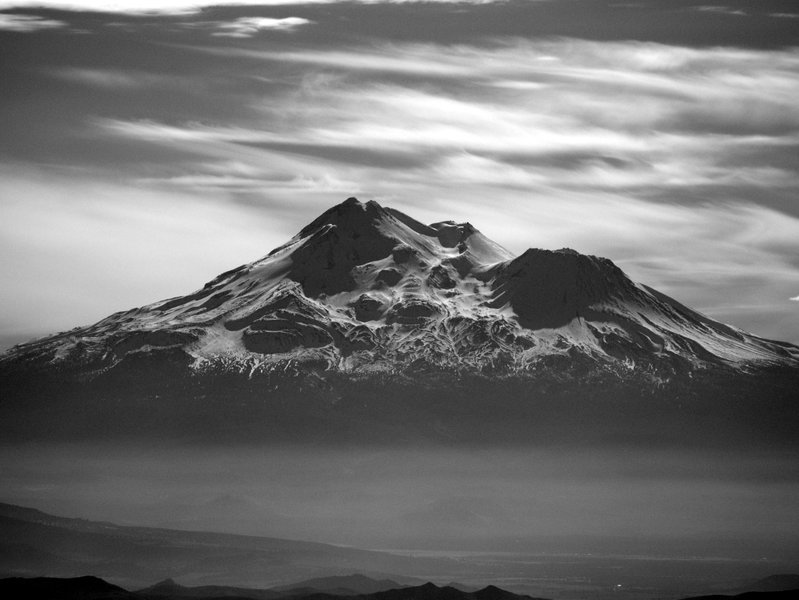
(137,555)
(367,301)
(360,279)
(94,588)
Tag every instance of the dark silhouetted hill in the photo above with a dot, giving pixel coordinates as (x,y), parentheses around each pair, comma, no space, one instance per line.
(51,588)
(92,588)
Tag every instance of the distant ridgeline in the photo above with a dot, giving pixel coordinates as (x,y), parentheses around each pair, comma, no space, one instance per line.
(369,326)
(92,588)
(34,543)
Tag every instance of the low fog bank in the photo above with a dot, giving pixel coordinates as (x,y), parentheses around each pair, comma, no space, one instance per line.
(653,503)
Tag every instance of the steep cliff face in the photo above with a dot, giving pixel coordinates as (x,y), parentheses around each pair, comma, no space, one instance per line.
(367,294)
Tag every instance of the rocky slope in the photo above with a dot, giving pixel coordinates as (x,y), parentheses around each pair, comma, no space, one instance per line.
(367,294)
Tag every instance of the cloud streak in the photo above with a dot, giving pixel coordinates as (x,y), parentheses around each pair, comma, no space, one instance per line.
(194,6)
(557,108)
(28,23)
(245,27)
(723,10)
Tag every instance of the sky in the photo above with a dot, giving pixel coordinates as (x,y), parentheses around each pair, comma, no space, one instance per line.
(148,146)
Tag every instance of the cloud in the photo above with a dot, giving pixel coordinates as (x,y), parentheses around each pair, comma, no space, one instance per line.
(249,26)
(794,299)
(115,78)
(28,23)
(193,6)
(561,108)
(723,10)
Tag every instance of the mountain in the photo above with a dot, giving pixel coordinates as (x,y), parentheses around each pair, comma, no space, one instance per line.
(342,585)
(35,543)
(367,317)
(169,588)
(92,588)
(336,585)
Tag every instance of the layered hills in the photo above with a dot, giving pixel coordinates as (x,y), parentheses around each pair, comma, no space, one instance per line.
(370,321)
(93,588)
(35,543)
(47,556)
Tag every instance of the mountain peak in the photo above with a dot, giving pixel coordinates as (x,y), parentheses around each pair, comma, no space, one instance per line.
(352,214)
(168,585)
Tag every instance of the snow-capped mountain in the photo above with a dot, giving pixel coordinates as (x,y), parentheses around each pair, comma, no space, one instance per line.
(365,292)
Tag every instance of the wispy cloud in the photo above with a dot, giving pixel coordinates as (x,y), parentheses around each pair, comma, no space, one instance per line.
(193,6)
(28,23)
(723,10)
(244,27)
(558,108)
(114,78)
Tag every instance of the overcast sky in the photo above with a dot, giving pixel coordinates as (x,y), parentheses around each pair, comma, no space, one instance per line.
(149,147)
